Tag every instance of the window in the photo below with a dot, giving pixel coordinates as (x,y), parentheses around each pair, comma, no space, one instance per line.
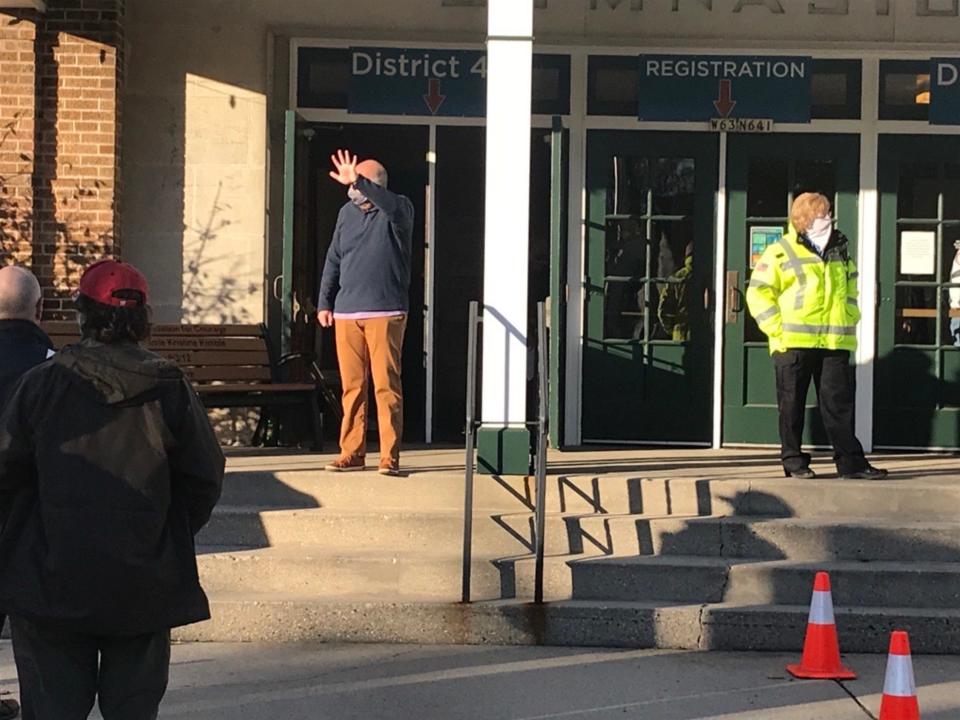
(323,77)
(928,254)
(649,249)
(836,89)
(551,84)
(904,90)
(613,84)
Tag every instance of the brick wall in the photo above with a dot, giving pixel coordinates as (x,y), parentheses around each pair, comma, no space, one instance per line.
(17,110)
(60,159)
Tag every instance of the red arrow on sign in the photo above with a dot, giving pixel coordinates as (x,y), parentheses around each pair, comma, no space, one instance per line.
(433,98)
(725,103)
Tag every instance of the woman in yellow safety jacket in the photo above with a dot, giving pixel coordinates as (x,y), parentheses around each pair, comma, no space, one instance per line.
(803,295)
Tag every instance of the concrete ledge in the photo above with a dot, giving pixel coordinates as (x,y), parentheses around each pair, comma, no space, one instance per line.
(496,623)
(571,623)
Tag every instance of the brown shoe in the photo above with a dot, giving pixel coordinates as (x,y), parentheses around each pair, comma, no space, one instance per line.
(390,468)
(346,465)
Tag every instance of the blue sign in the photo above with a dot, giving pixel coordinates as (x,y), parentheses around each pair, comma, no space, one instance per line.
(695,88)
(945,91)
(397,81)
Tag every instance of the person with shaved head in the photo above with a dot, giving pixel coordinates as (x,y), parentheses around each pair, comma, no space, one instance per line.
(22,345)
(364,295)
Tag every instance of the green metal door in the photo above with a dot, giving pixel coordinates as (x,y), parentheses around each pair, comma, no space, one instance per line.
(648,345)
(917,375)
(764,175)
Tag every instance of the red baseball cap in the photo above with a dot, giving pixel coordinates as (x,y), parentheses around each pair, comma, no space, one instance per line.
(114,283)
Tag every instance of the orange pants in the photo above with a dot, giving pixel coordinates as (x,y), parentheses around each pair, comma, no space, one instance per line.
(371,348)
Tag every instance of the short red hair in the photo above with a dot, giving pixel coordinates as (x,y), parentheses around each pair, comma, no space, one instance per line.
(807,208)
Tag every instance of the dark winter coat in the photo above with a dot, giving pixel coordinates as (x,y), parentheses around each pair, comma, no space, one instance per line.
(108,468)
(22,346)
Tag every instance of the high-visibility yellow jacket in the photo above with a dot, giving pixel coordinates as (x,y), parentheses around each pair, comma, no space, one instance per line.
(801,300)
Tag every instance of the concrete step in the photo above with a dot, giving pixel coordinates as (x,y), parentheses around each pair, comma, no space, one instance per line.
(618,494)
(293,618)
(494,536)
(436,491)
(322,572)
(336,530)
(503,535)
(779,582)
(898,499)
(852,538)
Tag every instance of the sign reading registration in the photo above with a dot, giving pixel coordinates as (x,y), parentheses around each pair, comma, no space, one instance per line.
(403,81)
(695,88)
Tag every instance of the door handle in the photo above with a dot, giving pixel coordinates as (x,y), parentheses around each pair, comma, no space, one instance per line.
(734,296)
(276,289)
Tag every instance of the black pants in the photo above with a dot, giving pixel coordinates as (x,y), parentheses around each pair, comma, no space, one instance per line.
(836,389)
(61,673)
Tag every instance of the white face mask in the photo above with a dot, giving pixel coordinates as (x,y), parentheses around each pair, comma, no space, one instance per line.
(358,198)
(819,233)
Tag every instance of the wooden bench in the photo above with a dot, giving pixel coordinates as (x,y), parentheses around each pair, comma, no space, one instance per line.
(230,366)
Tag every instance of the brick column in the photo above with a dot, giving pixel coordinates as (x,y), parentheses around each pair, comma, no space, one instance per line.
(17,111)
(76,66)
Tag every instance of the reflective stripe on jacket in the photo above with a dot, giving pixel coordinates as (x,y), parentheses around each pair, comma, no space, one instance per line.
(801,300)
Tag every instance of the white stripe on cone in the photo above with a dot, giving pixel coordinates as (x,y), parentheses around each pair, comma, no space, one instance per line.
(821,608)
(899,680)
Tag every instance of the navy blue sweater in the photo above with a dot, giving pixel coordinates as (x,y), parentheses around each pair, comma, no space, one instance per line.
(368,263)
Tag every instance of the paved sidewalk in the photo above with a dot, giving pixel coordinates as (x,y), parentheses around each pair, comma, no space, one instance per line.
(393,682)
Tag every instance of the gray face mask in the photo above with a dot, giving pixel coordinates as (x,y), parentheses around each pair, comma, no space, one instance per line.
(357,197)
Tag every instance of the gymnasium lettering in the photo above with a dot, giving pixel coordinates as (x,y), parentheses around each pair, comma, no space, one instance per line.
(921,8)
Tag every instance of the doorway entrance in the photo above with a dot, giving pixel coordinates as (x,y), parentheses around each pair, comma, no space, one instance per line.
(764,175)
(917,393)
(648,337)
(317,200)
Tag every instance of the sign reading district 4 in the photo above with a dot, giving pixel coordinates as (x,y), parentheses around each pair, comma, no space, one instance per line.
(397,81)
(945,91)
(698,88)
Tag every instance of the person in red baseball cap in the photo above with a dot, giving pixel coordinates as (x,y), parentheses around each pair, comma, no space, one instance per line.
(108,468)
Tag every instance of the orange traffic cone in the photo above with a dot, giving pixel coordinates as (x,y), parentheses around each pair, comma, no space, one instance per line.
(899,690)
(821,650)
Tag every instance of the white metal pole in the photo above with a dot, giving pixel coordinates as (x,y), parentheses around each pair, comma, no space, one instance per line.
(720,294)
(507,233)
(431,263)
(867,253)
(576,236)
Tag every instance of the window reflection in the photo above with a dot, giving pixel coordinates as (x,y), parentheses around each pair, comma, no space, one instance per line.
(649,249)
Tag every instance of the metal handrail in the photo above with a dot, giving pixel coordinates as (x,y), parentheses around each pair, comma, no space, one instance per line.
(471,430)
(542,425)
(543,430)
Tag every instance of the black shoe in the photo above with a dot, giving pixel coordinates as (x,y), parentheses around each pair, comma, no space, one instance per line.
(801,474)
(9,709)
(867,473)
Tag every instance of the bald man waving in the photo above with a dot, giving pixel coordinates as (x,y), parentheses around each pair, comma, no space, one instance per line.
(364,295)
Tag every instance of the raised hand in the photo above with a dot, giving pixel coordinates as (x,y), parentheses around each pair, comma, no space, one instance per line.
(345,167)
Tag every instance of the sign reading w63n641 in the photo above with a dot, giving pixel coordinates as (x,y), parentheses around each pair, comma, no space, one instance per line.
(403,81)
(695,88)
